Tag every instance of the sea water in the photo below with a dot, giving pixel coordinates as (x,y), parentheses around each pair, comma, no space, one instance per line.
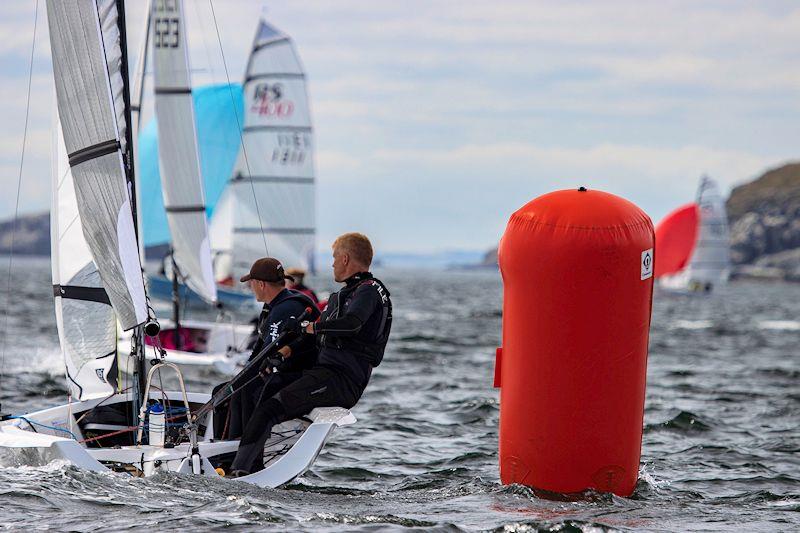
(721,447)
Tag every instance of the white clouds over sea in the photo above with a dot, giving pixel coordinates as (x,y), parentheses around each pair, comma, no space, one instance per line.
(436,119)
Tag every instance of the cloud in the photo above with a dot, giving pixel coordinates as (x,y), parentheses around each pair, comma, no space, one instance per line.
(603,159)
(434,120)
(462,197)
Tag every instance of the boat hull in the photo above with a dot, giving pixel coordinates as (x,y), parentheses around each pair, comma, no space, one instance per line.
(161,288)
(61,433)
(223,349)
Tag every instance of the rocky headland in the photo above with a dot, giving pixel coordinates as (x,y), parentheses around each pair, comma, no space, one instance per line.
(30,237)
(764,217)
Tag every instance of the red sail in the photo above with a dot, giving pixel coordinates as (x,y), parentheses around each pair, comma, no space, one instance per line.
(676,236)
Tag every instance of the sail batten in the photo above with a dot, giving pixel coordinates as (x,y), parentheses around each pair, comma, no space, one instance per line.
(179,161)
(90,92)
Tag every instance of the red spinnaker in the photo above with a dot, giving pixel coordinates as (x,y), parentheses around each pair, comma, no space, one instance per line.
(676,236)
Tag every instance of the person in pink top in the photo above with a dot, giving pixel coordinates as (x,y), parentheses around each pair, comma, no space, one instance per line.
(297,285)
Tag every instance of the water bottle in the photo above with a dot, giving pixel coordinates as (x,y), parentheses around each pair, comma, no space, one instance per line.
(157,425)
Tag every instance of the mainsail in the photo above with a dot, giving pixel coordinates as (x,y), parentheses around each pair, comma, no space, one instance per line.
(87,325)
(90,91)
(692,243)
(270,199)
(218,113)
(178,155)
(710,262)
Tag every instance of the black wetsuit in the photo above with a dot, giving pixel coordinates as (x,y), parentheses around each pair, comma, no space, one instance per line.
(352,335)
(286,305)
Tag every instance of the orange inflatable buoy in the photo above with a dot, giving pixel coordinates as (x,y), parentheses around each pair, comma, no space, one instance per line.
(577,269)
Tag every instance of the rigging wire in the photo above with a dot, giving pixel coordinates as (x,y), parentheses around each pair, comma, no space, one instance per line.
(239,125)
(203,32)
(19,187)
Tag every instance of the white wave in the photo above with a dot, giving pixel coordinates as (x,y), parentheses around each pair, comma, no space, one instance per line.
(784,325)
(418,316)
(692,324)
(38,359)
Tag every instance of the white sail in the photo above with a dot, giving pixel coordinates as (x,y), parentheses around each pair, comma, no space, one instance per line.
(710,262)
(221,234)
(272,187)
(87,326)
(179,161)
(87,62)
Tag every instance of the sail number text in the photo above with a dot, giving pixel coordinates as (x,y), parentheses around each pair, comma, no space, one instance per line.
(166,33)
(291,149)
(268,100)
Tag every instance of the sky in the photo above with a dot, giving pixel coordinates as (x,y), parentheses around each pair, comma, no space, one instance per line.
(435,119)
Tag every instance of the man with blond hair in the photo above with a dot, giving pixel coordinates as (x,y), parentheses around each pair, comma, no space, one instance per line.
(352,335)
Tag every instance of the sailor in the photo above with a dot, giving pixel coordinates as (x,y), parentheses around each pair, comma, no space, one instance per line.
(281,305)
(352,335)
(297,285)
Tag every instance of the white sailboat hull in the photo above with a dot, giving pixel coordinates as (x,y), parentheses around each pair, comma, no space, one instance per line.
(685,282)
(54,434)
(224,350)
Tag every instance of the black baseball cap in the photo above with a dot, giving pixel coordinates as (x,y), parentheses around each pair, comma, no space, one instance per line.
(267,269)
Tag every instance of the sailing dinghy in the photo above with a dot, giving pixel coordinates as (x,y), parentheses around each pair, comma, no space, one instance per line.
(107,425)
(217,344)
(188,265)
(693,244)
(269,200)
(267,204)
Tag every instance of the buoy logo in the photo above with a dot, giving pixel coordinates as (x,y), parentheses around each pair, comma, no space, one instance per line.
(647,264)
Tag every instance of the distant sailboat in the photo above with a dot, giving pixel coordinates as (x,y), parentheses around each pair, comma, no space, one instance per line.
(182,184)
(182,206)
(693,244)
(268,207)
(189,261)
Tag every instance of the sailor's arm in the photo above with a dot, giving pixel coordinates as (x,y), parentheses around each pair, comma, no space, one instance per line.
(365,301)
(346,326)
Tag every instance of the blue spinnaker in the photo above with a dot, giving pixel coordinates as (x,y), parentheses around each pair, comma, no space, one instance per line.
(216,108)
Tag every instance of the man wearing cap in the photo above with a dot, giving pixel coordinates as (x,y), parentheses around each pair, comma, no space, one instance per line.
(352,334)
(297,285)
(281,305)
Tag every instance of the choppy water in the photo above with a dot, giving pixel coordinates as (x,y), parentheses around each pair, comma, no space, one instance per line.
(721,446)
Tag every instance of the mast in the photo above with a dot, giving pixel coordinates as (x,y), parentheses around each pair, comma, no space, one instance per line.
(140,371)
(136,108)
(176,301)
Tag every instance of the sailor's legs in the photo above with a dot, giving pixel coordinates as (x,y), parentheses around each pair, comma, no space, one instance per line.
(243,403)
(250,456)
(318,387)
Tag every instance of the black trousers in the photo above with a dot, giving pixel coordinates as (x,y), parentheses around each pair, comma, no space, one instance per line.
(235,414)
(317,387)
